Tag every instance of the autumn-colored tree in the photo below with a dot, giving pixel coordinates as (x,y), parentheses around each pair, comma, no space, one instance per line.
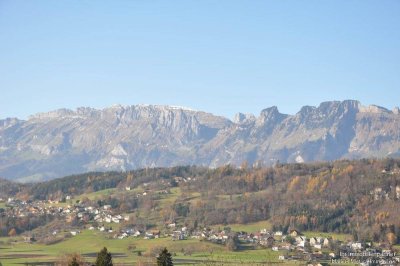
(244,165)
(129,178)
(74,262)
(294,183)
(312,185)
(12,232)
(391,237)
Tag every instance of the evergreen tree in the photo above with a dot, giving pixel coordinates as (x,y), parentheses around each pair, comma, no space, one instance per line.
(232,243)
(164,258)
(74,262)
(104,258)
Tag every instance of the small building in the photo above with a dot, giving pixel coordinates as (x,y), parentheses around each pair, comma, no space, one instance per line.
(313,241)
(178,235)
(356,245)
(267,241)
(318,246)
(171,225)
(294,233)
(326,242)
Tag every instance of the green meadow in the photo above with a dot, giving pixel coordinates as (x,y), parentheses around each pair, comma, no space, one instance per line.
(335,236)
(13,251)
(250,227)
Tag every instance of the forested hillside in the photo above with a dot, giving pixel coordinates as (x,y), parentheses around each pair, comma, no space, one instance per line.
(359,197)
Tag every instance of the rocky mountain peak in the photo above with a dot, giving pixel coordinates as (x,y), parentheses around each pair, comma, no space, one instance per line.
(270,115)
(306,110)
(64,141)
(59,113)
(373,109)
(241,118)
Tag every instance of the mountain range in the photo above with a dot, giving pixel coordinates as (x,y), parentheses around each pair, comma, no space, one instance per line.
(64,142)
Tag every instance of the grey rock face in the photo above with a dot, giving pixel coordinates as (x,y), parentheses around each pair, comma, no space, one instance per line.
(63,142)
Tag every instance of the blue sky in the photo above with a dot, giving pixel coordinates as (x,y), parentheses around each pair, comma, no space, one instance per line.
(219,56)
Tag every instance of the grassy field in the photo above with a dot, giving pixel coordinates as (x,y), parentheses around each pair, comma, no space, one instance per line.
(98,194)
(125,251)
(250,227)
(340,237)
(169,199)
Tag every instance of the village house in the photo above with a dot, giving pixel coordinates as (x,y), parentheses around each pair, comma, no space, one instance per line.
(379,194)
(301,243)
(300,239)
(152,234)
(314,241)
(171,225)
(294,233)
(74,233)
(318,246)
(356,245)
(267,241)
(29,239)
(136,233)
(178,235)
(326,242)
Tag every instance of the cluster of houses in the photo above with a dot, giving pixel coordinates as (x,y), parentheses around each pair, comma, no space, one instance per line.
(20,208)
(171,231)
(102,214)
(179,179)
(291,246)
(296,246)
(379,193)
